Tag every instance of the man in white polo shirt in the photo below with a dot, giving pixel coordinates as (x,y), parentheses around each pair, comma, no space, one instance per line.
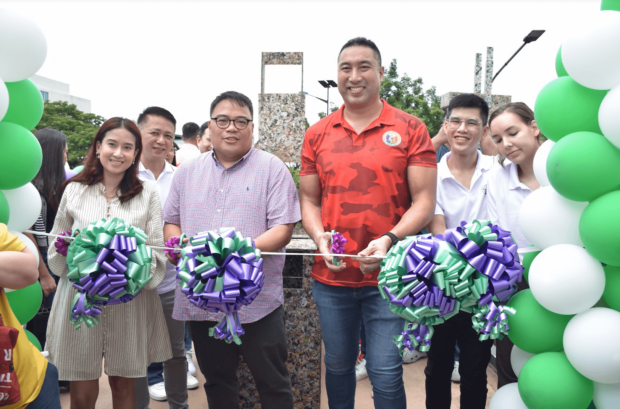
(157,127)
(461,196)
(189,149)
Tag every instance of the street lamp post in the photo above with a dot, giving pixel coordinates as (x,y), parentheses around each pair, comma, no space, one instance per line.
(530,38)
(328,84)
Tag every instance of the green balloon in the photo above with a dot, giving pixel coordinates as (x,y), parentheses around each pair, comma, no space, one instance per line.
(78,169)
(583,166)
(611,295)
(559,65)
(33,339)
(563,107)
(25,302)
(25,104)
(4,209)
(527,263)
(599,228)
(549,381)
(533,328)
(610,5)
(591,405)
(20,156)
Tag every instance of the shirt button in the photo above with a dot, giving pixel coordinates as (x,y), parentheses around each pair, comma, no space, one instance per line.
(221,190)
(218,210)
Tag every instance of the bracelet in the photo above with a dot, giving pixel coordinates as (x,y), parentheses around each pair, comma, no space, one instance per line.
(392,237)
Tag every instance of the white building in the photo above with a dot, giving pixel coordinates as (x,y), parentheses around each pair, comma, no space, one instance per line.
(52,90)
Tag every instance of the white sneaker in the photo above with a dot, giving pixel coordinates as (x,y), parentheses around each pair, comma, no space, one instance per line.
(456,376)
(191,368)
(158,392)
(410,357)
(360,370)
(192,382)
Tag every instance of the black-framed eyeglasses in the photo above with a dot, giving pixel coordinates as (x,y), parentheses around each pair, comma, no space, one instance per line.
(240,123)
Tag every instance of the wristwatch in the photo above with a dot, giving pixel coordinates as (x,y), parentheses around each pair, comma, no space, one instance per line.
(392,237)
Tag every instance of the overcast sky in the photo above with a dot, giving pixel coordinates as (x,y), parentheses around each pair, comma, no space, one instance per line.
(125,56)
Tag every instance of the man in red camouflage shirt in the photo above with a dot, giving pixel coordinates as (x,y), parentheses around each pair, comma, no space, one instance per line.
(368,171)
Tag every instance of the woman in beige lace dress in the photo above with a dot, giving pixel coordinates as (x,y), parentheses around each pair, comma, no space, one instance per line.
(129,336)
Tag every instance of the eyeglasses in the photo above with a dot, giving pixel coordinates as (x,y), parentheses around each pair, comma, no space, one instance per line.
(240,123)
(471,124)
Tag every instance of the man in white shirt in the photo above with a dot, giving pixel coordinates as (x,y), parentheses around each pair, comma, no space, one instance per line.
(189,149)
(461,196)
(157,127)
(204,138)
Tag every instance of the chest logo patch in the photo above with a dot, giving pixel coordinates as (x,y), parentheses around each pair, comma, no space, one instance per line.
(391,138)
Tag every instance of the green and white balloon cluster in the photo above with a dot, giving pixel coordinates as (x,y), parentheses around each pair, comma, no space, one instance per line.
(567,329)
(22,52)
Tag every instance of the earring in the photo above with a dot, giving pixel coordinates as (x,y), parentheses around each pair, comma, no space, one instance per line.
(134,161)
(97,155)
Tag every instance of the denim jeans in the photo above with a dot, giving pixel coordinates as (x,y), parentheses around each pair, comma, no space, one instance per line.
(49,395)
(188,339)
(340,311)
(174,369)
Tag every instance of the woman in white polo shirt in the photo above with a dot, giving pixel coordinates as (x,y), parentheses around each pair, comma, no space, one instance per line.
(514,131)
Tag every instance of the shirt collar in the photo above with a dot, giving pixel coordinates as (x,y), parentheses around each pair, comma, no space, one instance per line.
(483,164)
(387,117)
(243,159)
(167,167)
(513,181)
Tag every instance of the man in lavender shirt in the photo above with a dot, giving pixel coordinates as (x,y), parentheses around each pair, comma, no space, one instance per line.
(236,185)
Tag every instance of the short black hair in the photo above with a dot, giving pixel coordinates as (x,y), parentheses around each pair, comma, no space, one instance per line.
(190,130)
(362,42)
(235,96)
(470,101)
(203,129)
(156,111)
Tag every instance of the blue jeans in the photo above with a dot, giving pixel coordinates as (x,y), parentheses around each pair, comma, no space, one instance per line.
(49,395)
(188,339)
(340,312)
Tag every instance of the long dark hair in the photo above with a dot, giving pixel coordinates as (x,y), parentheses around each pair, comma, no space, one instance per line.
(93,170)
(51,176)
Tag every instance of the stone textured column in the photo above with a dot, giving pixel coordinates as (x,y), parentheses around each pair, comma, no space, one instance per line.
(488,80)
(478,74)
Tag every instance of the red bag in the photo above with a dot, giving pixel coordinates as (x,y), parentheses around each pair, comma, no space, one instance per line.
(9,385)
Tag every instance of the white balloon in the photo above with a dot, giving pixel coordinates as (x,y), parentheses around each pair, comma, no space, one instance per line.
(566,279)
(540,163)
(22,46)
(592,345)
(546,218)
(4,99)
(24,207)
(592,57)
(507,397)
(518,358)
(31,246)
(606,396)
(608,117)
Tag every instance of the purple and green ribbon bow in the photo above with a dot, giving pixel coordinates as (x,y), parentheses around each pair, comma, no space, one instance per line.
(109,263)
(427,280)
(221,272)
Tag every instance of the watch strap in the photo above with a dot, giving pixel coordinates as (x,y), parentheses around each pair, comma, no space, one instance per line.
(392,237)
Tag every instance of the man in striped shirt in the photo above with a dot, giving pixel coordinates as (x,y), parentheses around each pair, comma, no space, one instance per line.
(236,185)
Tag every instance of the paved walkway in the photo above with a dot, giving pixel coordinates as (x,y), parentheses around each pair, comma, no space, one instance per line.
(413,378)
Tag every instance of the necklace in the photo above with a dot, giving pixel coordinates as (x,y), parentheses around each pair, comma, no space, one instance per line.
(109,200)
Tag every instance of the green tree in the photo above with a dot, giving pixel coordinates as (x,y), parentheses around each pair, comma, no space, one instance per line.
(332,108)
(408,95)
(79,127)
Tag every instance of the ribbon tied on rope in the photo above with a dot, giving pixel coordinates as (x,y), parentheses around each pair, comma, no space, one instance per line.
(221,272)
